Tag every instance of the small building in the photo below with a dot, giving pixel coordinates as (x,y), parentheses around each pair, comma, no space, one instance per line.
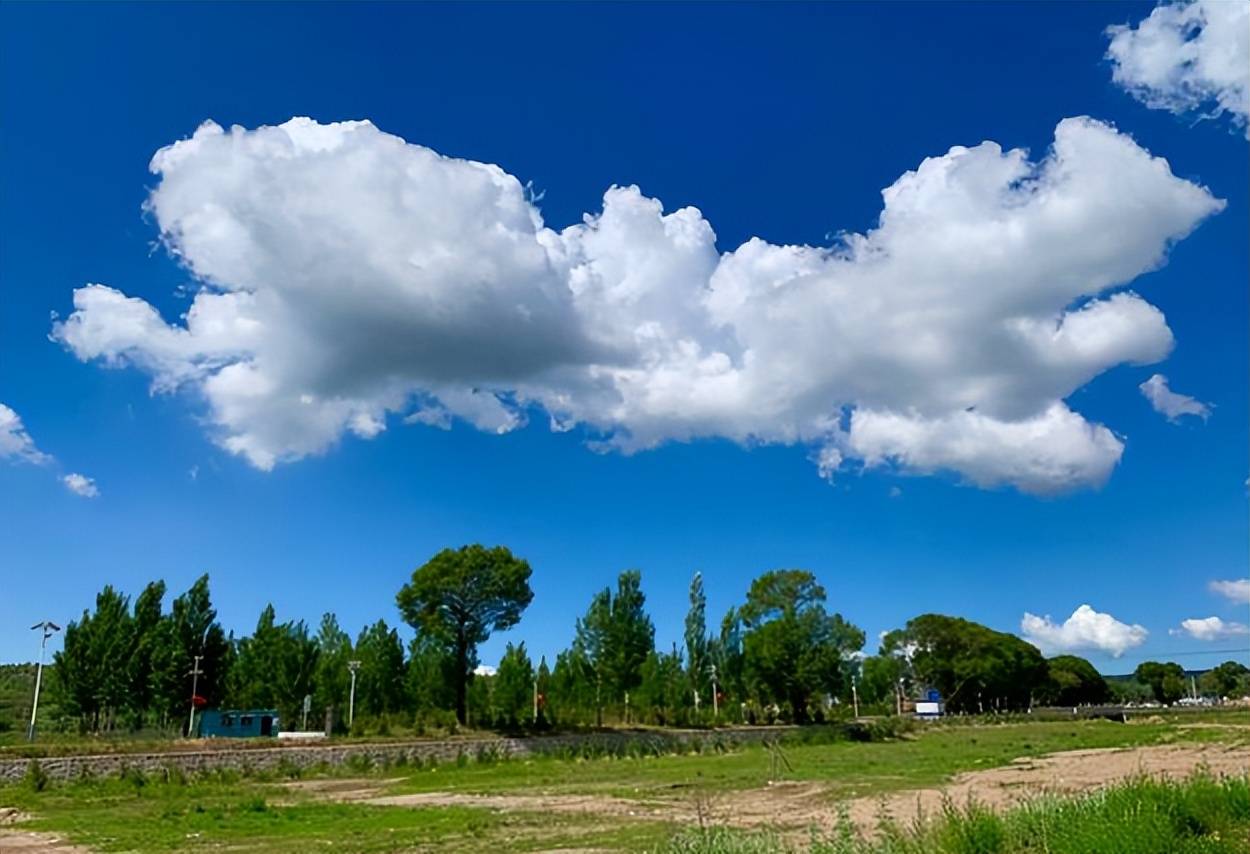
(931,707)
(238,723)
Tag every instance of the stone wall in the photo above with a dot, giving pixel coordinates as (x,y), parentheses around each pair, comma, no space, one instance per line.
(427,751)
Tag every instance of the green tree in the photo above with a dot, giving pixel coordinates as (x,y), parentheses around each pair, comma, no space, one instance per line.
(614,638)
(973,667)
(380,680)
(574,694)
(194,631)
(274,668)
(878,680)
(663,696)
(514,687)
(144,638)
(93,666)
(1073,681)
(431,676)
(332,681)
(544,680)
(697,657)
(1230,679)
(462,597)
(1166,680)
(726,655)
(793,647)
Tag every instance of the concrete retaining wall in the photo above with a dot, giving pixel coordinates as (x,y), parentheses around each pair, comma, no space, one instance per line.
(425,752)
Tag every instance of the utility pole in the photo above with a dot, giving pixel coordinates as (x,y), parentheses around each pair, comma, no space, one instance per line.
(195,684)
(47,627)
(715,690)
(855,697)
(353,666)
(535,701)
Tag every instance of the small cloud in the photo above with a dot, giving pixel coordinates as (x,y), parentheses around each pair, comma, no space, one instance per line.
(828,459)
(484,670)
(80,485)
(1171,404)
(1211,628)
(895,492)
(1234,589)
(193,472)
(1086,630)
(16,445)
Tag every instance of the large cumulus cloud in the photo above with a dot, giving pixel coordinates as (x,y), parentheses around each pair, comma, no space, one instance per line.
(347,276)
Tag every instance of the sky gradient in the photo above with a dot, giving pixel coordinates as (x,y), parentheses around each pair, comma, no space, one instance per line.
(778,122)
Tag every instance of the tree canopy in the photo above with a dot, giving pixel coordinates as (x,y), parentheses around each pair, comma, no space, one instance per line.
(463,596)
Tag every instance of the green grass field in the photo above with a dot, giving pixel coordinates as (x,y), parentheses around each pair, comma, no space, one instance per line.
(273,814)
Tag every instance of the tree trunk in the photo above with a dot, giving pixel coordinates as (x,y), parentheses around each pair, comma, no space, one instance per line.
(462,682)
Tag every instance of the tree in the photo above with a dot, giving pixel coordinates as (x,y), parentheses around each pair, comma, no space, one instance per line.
(663,694)
(973,667)
(613,639)
(274,668)
(194,630)
(514,687)
(145,636)
(879,676)
(1166,681)
(793,647)
(93,665)
(696,638)
(726,655)
(431,674)
(380,680)
(1230,679)
(332,681)
(1073,681)
(462,597)
(574,694)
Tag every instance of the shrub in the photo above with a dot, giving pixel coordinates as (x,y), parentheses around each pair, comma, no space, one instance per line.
(36,778)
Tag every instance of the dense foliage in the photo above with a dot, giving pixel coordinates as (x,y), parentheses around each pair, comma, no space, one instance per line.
(781,655)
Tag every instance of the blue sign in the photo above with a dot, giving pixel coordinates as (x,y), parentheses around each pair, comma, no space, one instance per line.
(934,696)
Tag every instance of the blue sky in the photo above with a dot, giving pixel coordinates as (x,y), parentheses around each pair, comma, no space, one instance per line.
(782,122)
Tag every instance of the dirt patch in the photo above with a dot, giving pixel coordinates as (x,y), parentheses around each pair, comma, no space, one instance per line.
(803,805)
(29,842)
(1058,773)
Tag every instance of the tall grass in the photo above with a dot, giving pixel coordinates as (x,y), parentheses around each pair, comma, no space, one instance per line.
(1199,815)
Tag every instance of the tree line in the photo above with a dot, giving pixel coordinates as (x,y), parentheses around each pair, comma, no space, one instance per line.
(780,655)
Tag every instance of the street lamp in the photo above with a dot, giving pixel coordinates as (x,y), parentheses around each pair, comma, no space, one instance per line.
(48,628)
(353,666)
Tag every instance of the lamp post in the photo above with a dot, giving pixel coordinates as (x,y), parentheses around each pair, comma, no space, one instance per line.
(353,666)
(715,691)
(48,628)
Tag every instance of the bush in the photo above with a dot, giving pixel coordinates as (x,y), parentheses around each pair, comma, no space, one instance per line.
(36,779)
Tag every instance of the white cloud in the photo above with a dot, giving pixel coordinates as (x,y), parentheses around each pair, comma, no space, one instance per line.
(1187,57)
(347,276)
(1212,628)
(1171,404)
(1086,630)
(485,670)
(1235,589)
(80,485)
(16,445)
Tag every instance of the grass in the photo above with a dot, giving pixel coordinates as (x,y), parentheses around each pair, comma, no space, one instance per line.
(1200,815)
(224,811)
(849,768)
(260,814)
